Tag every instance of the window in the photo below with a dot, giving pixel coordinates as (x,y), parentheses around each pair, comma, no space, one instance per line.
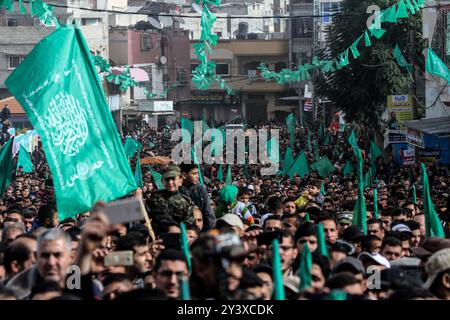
(14,61)
(91,21)
(146,42)
(223,69)
(12,23)
(328,8)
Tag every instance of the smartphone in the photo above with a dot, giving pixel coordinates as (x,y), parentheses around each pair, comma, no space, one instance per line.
(124,211)
(119,258)
(171,240)
(266,238)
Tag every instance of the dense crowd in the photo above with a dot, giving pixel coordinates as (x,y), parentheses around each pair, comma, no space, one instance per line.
(230,231)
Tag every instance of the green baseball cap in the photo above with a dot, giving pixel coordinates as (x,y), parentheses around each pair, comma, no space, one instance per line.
(171,171)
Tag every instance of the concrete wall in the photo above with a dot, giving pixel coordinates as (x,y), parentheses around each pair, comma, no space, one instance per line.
(118,45)
(135,55)
(17,41)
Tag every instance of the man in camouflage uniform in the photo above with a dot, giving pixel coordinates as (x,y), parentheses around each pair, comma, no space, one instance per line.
(169,203)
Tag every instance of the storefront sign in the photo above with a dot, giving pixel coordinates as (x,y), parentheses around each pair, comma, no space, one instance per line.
(206,97)
(429,155)
(407,156)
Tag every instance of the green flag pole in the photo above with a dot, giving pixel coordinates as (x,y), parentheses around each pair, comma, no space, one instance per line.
(6,165)
(321,243)
(305,268)
(375,204)
(432,222)
(278,292)
(185,246)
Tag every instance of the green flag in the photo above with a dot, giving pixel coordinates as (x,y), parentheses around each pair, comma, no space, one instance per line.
(321,243)
(189,126)
(6,165)
(367,42)
(157,178)
(300,166)
(185,246)
(375,152)
(305,268)
(58,86)
(184,286)
(414,196)
(400,58)
(432,222)
(229,179)
(290,123)
(131,147)
(390,15)
(278,288)
(138,173)
(307,217)
(436,66)
(288,159)
(323,167)
(353,142)
(375,204)
(220,173)
(359,213)
(336,295)
(401,11)
(24,160)
(348,169)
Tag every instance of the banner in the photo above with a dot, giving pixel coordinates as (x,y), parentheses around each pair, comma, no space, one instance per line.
(407,156)
(58,87)
(429,155)
(415,138)
(308,106)
(394,137)
(401,109)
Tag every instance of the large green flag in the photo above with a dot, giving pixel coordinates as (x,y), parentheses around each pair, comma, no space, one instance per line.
(131,147)
(436,66)
(290,123)
(300,166)
(157,178)
(229,179)
(58,86)
(6,165)
(220,173)
(432,222)
(138,173)
(323,167)
(288,159)
(24,160)
(348,169)
(360,213)
(321,243)
(305,268)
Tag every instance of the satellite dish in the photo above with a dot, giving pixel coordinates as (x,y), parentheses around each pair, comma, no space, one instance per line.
(197,8)
(155,23)
(166,21)
(163,60)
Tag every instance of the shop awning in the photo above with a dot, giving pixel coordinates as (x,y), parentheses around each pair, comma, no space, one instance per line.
(137,73)
(437,126)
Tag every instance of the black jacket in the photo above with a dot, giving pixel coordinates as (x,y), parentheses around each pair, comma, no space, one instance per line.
(200,197)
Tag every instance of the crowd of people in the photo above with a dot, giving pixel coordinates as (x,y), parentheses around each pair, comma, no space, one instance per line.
(231,229)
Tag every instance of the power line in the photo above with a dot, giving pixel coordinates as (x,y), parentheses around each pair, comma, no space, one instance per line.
(218,17)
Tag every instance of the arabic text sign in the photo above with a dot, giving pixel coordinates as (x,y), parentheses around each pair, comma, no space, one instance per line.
(415,138)
(401,109)
(429,155)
